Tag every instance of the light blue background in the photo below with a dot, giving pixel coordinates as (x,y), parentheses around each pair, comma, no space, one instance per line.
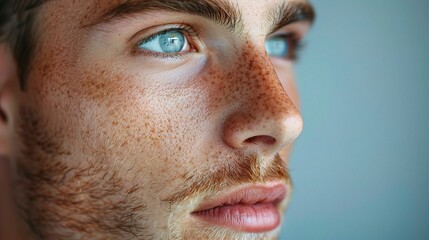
(361,166)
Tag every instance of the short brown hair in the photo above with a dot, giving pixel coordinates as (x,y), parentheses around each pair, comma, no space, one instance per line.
(16,30)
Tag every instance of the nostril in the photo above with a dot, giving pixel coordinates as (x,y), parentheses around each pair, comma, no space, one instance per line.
(266,140)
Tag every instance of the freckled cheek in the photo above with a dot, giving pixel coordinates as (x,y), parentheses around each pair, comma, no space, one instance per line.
(158,133)
(217,88)
(111,116)
(127,140)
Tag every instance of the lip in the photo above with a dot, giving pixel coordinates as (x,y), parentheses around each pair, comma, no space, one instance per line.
(248,209)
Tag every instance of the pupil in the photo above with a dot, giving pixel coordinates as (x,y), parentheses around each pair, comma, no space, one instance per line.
(276,47)
(172,41)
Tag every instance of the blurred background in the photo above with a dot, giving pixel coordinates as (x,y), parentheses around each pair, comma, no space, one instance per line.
(361,166)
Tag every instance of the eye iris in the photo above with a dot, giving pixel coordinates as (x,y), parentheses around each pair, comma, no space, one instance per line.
(276,47)
(172,41)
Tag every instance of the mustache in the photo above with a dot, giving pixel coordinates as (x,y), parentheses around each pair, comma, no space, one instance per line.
(247,170)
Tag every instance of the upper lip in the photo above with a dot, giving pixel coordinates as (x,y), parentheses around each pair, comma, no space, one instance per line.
(250,195)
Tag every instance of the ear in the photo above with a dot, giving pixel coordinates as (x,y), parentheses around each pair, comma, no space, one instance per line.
(8,97)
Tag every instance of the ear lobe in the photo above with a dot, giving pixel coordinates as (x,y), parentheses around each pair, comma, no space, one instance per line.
(8,82)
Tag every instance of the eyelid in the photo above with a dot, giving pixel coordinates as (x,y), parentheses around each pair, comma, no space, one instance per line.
(299,29)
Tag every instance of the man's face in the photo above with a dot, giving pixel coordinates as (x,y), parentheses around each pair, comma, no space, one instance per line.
(158,120)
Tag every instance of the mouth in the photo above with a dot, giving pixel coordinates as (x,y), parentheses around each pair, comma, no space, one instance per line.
(250,209)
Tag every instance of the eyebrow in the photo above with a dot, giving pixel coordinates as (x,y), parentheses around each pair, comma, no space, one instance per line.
(287,13)
(219,11)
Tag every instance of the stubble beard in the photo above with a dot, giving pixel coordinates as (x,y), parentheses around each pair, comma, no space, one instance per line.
(60,201)
(92,200)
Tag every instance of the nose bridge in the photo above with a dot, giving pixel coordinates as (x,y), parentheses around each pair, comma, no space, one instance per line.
(263,89)
(267,117)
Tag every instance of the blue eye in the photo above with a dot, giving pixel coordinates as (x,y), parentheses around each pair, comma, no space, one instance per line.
(277,47)
(170,41)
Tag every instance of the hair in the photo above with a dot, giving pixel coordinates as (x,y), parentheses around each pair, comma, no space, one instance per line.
(17,32)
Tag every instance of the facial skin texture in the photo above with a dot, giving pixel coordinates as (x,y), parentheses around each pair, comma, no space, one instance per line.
(108,143)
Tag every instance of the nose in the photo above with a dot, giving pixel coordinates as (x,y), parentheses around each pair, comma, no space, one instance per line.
(266,120)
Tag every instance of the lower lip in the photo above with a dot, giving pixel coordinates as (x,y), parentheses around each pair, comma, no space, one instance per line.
(261,217)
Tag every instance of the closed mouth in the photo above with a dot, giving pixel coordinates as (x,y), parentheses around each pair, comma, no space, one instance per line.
(249,209)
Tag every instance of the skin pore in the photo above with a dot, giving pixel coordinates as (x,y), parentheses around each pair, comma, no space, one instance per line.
(113,141)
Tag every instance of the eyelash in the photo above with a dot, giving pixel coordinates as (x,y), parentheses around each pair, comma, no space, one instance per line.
(188,31)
